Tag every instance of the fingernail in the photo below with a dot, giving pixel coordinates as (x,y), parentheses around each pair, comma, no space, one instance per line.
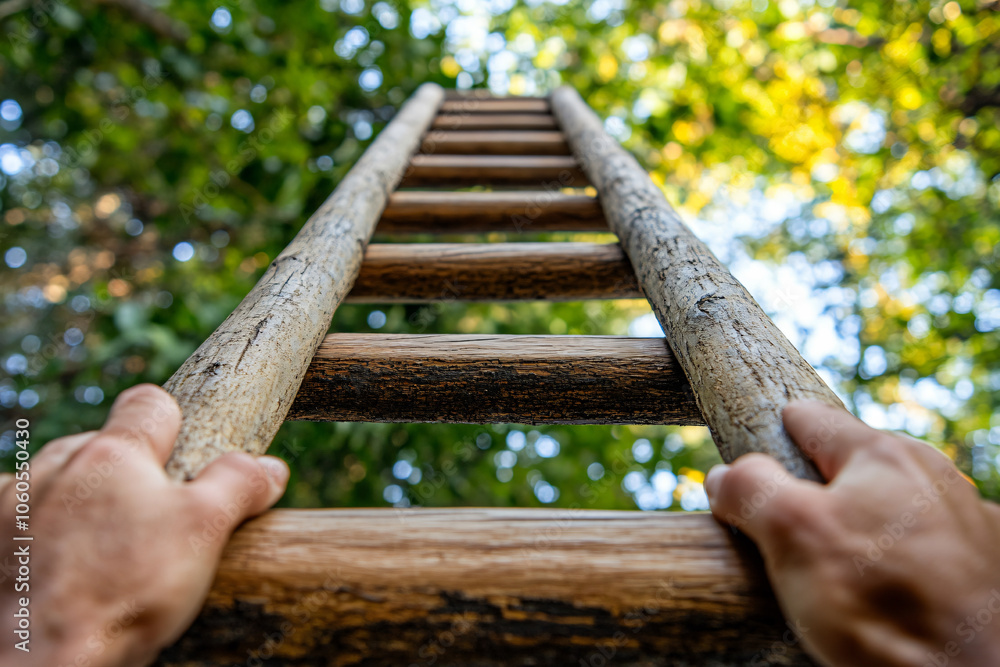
(713,481)
(275,468)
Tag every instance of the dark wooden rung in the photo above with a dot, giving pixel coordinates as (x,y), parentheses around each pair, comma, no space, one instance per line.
(485,121)
(436,272)
(484,94)
(553,171)
(495,142)
(488,587)
(490,379)
(527,211)
(495,105)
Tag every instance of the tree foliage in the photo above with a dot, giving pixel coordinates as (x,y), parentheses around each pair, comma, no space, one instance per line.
(842,157)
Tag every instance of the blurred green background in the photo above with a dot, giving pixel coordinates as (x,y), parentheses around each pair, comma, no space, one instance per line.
(840,157)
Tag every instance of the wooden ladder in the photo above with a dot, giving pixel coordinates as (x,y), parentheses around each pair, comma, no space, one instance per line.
(482,586)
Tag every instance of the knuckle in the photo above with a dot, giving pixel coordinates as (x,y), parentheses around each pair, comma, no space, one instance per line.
(914,459)
(888,449)
(804,527)
(142,392)
(60,446)
(102,447)
(205,502)
(152,396)
(242,475)
(750,464)
(242,463)
(753,485)
(58,443)
(936,460)
(755,471)
(791,516)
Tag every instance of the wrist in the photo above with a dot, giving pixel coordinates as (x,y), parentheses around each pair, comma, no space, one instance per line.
(56,642)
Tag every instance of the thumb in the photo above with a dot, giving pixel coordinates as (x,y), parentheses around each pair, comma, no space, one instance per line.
(758,495)
(238,486)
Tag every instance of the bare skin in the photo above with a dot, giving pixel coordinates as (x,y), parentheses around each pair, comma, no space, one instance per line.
(122,556)
(894,562)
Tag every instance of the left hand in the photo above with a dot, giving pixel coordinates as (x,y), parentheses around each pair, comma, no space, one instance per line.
(122,556)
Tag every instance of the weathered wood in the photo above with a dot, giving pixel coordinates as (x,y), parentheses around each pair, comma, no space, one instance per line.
(415,212)
(487,588)
(443,272)
(484,94)
(495,142)
(235,389)
(552,171)
(742,369)
(485,121)
(481,379)
(495,105)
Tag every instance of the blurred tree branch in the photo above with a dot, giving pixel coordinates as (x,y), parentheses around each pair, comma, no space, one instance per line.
(980,98)
(12,7)
(152,18)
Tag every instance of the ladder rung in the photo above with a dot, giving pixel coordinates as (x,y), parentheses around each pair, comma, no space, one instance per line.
(483,94)
(485,121)
(463,212)
(435,272)
(525,170)
(495,142)
(490,379)
(495,105)
(487,586)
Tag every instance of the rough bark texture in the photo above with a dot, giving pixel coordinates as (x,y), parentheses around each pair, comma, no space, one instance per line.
(236,388)
(446,272)
(487,587)
(489,379)
(496,105)
(469,212)
(741,367)
(484,121)
(553,171)
(495,142)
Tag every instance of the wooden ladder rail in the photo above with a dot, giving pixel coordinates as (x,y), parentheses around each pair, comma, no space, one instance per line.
(490,586)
